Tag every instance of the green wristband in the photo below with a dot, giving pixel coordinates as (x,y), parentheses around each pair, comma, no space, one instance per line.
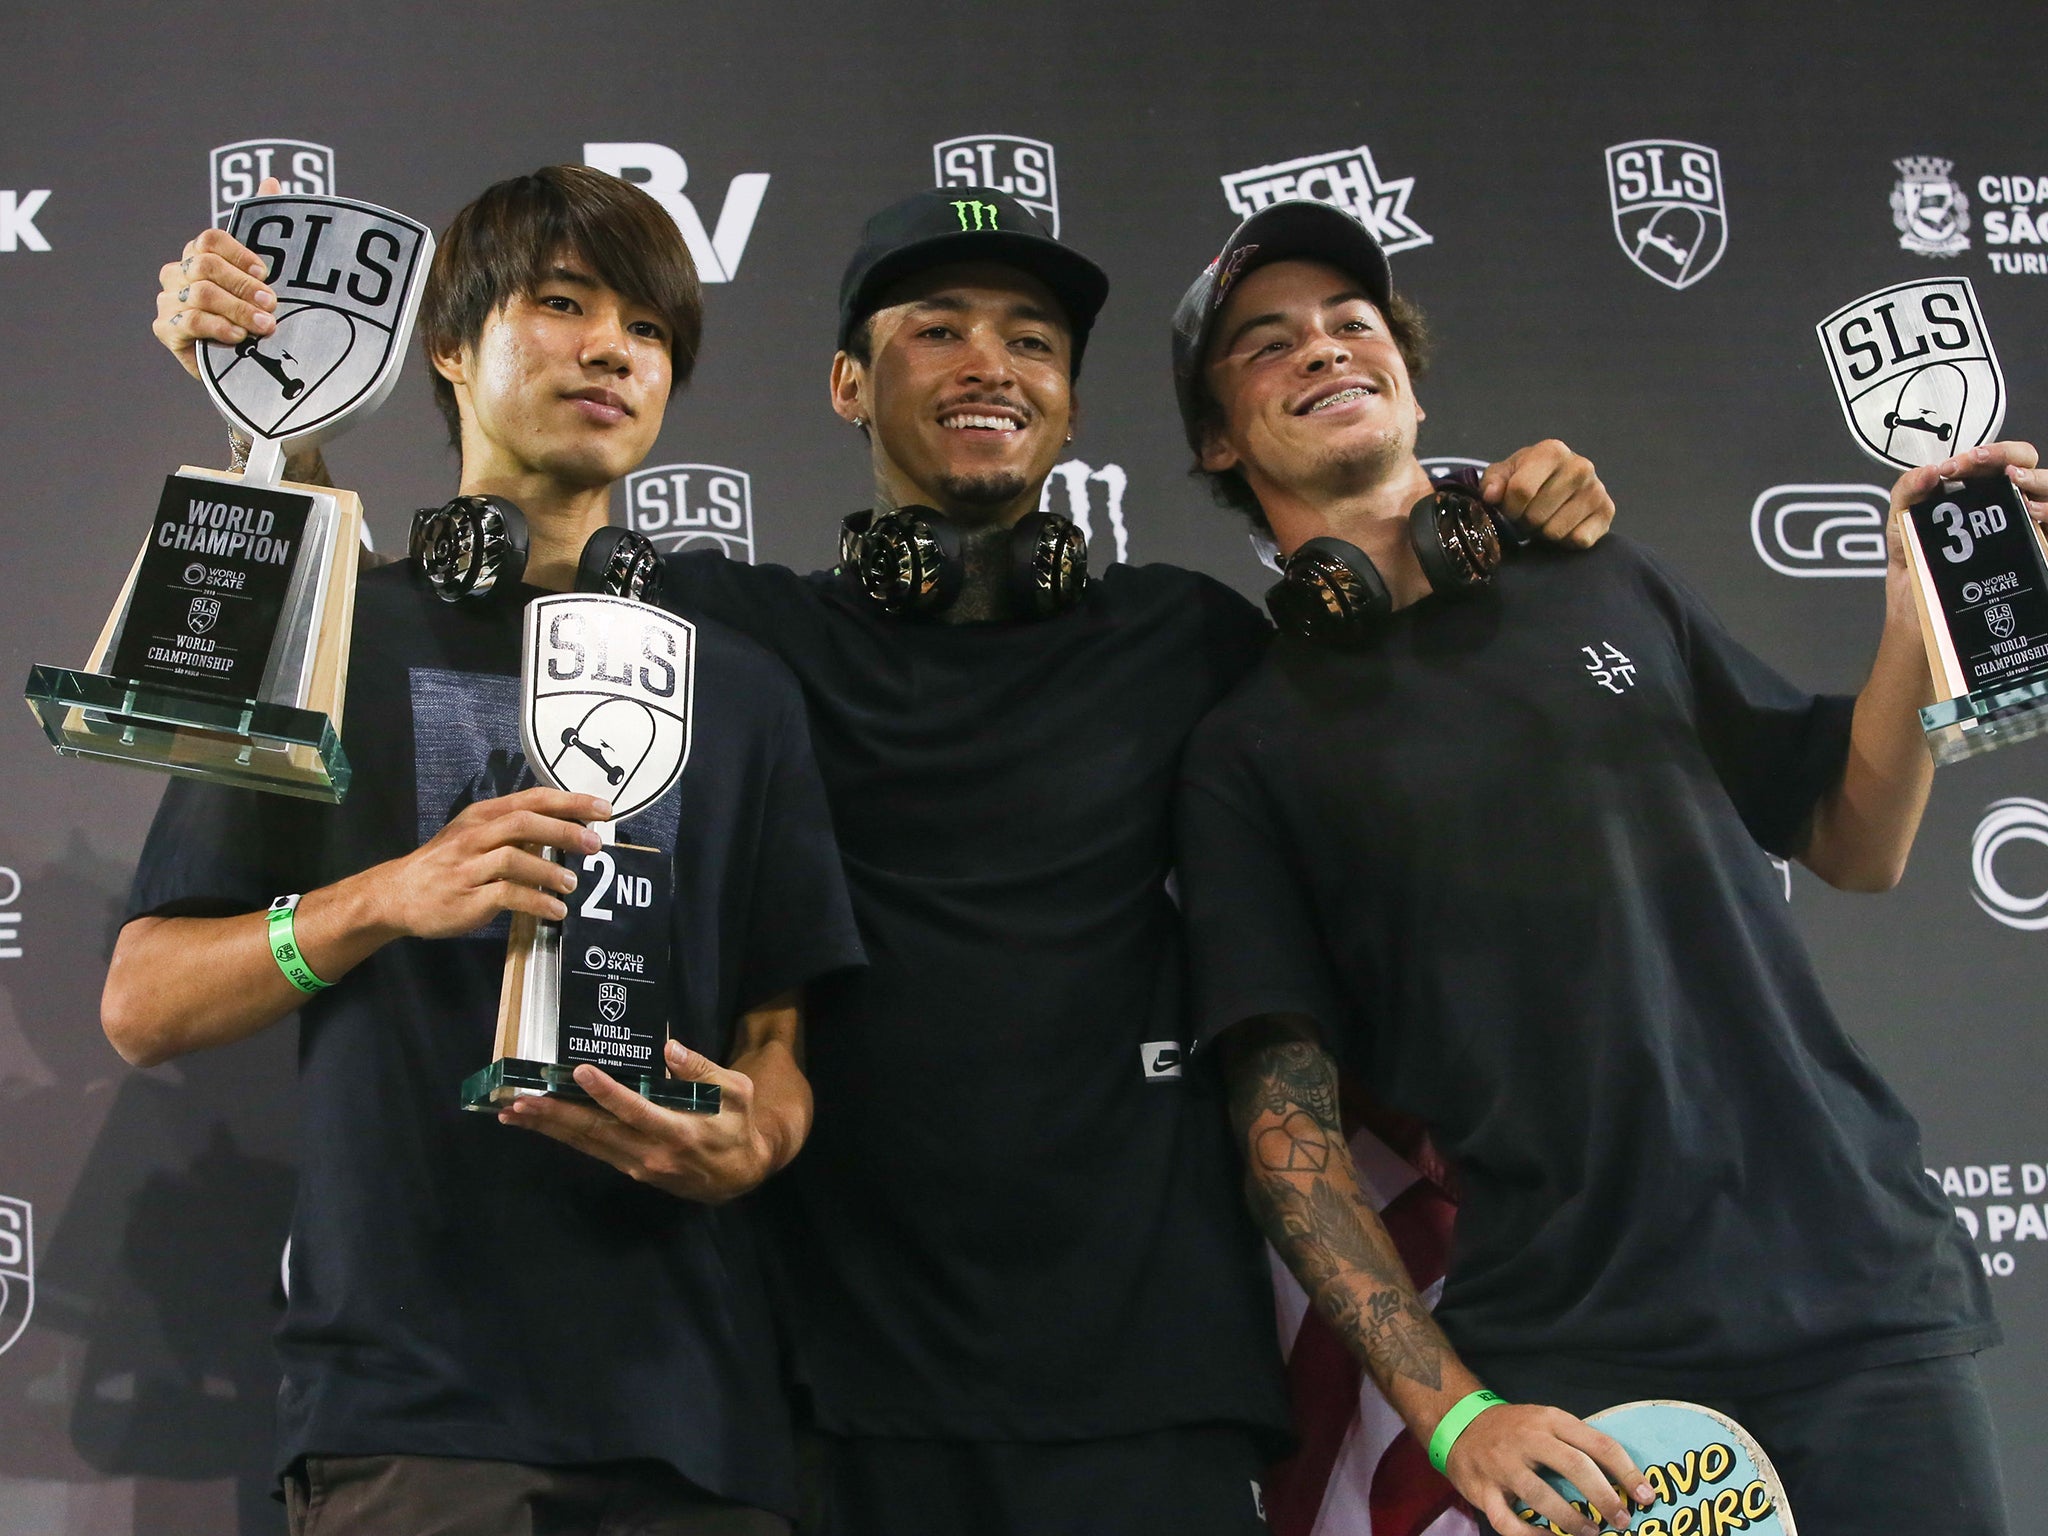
(284,947)
(1456,1422)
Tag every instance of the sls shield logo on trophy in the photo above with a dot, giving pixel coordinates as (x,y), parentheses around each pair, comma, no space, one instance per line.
(17,1268)
(343,275)
(608,712)
(1914,370)
(1670,214)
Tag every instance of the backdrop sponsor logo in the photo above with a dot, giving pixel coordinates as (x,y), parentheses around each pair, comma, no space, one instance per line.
(2015,819)
(2015,213)
(1670,213)
(685,506)
(10,914)
(662,173)
(1913,368)
(1079,481)
(1024,168)
(1929,208)
(1821,530)
(17,1268)
(1344,178)
(304,169)
(18,212)
(1990,1201)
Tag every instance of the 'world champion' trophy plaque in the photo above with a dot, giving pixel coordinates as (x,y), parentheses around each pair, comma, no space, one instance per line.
(1917,379)
(605,693)
(226,657)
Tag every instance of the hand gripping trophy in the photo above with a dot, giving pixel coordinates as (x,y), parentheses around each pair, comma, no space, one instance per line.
(226,657)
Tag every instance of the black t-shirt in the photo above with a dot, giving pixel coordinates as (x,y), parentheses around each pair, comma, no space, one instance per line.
(1512,860)
(457,1287)
(1015,1217)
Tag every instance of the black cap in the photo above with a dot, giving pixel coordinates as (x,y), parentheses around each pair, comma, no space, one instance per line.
(951,224)
(1283,232)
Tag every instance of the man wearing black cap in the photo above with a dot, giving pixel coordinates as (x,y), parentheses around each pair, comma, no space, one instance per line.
(1499,847)
(1022,1289)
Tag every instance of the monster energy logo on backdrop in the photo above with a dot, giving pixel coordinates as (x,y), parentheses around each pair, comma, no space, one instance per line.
(972,212)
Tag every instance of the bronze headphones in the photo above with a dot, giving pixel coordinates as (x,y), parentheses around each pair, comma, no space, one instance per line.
(907,559)
(1329,589)
(476,546)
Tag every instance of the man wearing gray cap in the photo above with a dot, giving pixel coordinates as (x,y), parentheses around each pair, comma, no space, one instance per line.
(1488,826)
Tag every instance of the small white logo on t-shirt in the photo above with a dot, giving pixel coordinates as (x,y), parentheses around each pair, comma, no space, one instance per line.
(1160,1058)
(1606,665)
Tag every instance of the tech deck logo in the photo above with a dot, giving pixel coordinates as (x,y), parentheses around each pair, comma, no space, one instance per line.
(693,506)
(2015,820)
(1669,212)
(1343,178)
(303,169)
(1929,209)
(1003,162)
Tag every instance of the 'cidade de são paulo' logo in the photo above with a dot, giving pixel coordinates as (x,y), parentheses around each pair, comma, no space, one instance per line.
(1913,369)
(1344,178)
(302,169)
(348,278)
(1003,162)
(692,506)
(2014,820)
(1669,211)
(606,696)
(1930,210)
(1821,530)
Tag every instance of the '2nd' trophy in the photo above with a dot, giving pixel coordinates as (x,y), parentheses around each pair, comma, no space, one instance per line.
(1919,383)
(606,686)
(226,658)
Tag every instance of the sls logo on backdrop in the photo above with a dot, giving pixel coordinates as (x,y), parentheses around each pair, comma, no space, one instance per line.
(1914,370)
(1669,212)
(1929,209)
(1005,163)
(303,170)
(682,506)
(17,1268)
(1077,477)
(10,915)
(662,174)
(2016,819)
(1821,530)
(18,212)
(1345,178)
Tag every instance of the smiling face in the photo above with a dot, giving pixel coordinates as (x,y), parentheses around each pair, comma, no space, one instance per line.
(567,382)
(1314,396)
(966,391)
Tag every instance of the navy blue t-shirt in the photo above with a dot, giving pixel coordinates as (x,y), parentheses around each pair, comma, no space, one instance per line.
(458,1287)
(1511,858)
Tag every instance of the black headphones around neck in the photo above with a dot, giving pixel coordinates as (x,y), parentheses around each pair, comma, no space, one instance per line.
(1329,590)
(475,547)
(907,559)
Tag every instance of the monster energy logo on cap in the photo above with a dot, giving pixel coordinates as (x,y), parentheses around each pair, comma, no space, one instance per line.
(975,215)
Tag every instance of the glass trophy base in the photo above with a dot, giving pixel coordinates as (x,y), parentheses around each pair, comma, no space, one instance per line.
(1986,720)
(243,742)
(509,1078)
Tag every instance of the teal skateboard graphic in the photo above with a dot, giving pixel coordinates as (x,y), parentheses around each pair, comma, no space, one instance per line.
(1709,1476)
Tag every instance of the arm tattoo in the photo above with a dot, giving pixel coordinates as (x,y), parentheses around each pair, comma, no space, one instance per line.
(1304,1192)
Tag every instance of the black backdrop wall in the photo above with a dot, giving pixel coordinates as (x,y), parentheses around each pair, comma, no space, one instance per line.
(141,1213)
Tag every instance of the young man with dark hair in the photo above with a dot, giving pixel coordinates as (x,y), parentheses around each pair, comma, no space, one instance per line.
(1021,1290)
(1503,856)
(486,1332)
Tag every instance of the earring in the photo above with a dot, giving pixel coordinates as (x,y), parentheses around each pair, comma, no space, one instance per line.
(1070,437)
(860,421)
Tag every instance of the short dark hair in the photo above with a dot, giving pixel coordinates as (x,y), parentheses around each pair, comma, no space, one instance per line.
(502,245)
(1410,333)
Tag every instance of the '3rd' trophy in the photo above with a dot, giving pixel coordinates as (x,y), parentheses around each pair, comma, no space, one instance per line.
(1917,379)
(226,658)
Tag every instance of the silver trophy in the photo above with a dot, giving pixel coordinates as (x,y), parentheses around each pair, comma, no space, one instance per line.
(226,657)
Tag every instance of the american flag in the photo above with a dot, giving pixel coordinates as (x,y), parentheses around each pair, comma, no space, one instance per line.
(1359,1472)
